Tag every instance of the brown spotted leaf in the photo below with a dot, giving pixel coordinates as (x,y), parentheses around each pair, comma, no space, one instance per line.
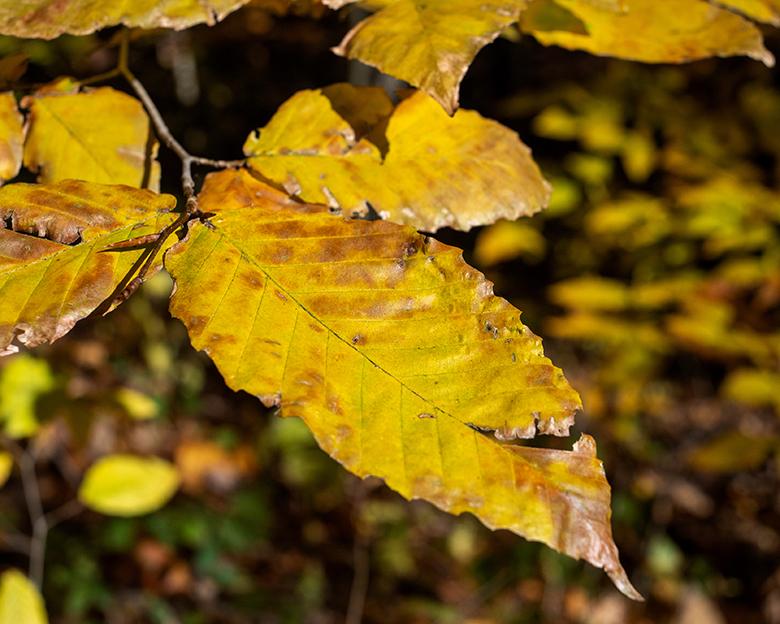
(396,354)
(100,135)
(53,267)
(347,147)
(46,19)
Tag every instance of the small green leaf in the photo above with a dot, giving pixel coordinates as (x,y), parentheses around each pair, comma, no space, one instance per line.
(127,485)
(20,602)
(22,381)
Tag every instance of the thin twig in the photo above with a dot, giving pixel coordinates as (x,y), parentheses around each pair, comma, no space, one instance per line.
(360,561)
(187,160)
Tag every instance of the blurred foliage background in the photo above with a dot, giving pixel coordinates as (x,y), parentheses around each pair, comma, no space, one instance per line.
(654,278)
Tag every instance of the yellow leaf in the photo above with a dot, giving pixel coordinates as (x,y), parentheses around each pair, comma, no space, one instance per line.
(46,19)
(11,137)
(54,269)
(732,452)
(507,240)
(99,136)
(395,353)
(763,10)
(128,485)
(544,15)
(753,387)
(429,43)
(20,602)
(660,31)
(590,292)
(137,404)
(22,380)
(460,171)
(6,466)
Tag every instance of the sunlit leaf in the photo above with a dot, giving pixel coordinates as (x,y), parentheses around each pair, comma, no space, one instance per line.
(507,240)
(128,485)
(100,135)
(429,43)
(47,19)
(394,352)
(460,172)
(763,10)
(660,31)
(753,387)
(590,293)
(22,380)
(732,452)
(54,269)
(11,137)
(20,601)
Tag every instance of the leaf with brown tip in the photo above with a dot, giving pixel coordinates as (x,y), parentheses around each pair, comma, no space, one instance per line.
(53,267)
(395,353)
(437,170)
(429,43)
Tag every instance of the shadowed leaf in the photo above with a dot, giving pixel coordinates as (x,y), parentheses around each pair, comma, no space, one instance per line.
(438,170)
(394,352)
(660,31)
(100,135)
(11,137)
(46,19)
(53,271)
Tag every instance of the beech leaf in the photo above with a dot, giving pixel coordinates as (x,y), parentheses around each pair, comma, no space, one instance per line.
(54,269)
(396,354)
(47,19)
(428,43)
(660,31)
(11,137)
(128,485)
(762,10)
(20,601)
(320,148)
(101,135)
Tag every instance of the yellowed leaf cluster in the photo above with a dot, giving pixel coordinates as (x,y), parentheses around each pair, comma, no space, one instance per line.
(347,147)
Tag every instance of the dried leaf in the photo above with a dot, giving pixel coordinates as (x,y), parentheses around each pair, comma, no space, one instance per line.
(460,172)
(394,352)
(660,31)
(101,135)
(11,137)
(46,19)
(128,485)
(53,271)
(429,43)
(20,601)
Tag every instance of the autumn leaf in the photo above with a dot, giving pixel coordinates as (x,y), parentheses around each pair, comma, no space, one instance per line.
(11,137)
(100,135)
(46,19)
(545,15)
(660,31)
(20,601)
(54,269)
(762,10)
(22,381)
(396,354)
(428,43)
(128,485)
(436,171)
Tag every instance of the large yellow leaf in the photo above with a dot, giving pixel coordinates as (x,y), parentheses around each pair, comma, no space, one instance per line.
(438,170)
(101,135)
(763,10)
(128,485)
(46,19)
(429,43)
(53,270)
(660,31)
(395,353)
(11,137)
(20,602)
